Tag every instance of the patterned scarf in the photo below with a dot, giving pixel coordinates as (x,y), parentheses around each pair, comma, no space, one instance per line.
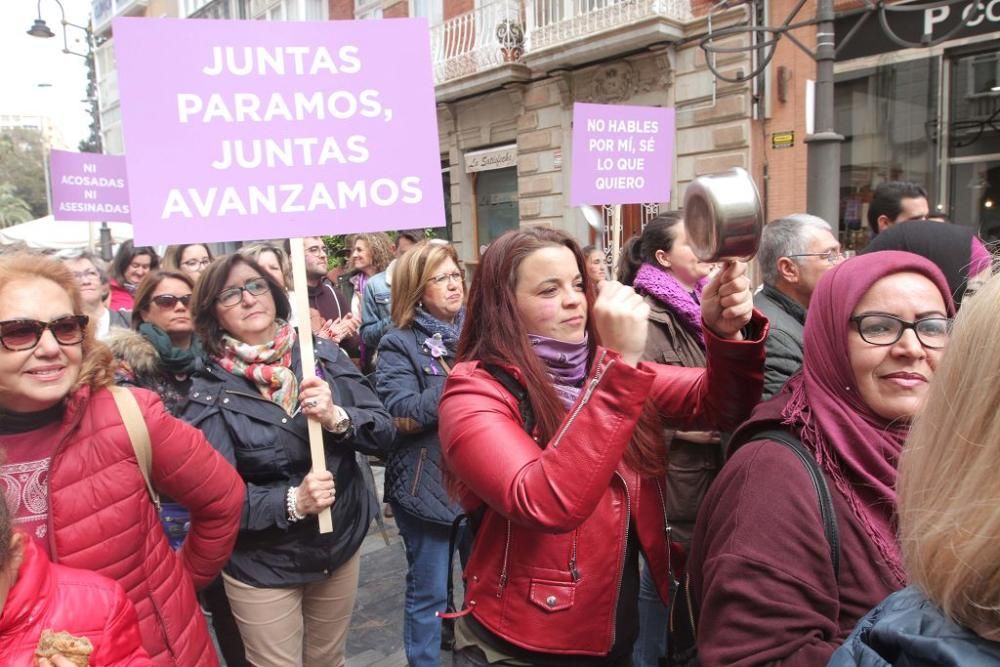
(566,364)
(663,286)
(268,366)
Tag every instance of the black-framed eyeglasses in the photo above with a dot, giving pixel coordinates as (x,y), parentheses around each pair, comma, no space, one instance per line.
(830,256)
(169,300)
(878,329)
(196,263)
(230,297)
(20,335)
(443,278)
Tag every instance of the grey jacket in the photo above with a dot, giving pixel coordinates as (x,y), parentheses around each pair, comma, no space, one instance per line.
(784,341)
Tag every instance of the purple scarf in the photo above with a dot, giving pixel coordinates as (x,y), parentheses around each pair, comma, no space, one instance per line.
(662,286)
(566,364)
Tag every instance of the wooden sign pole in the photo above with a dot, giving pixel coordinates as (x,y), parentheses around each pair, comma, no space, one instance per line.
(300,306)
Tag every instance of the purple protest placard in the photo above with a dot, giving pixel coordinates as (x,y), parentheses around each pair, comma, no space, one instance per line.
(88,187)
(621,154)
(242,130)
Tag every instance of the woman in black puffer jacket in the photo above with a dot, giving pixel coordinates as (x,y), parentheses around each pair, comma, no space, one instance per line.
(291,588)
(414,359)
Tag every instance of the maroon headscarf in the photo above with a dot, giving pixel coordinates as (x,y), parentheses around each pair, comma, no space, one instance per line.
(858,449)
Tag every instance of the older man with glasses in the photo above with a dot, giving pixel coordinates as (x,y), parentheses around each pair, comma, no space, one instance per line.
(92,281)
(795,252)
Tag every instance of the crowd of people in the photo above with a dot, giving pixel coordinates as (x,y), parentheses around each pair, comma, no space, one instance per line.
(662,468)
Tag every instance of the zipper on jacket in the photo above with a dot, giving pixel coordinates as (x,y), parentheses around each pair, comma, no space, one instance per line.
(586,396)
(503,569)
(572,559)
(667,532)
(420,469)
(621,573)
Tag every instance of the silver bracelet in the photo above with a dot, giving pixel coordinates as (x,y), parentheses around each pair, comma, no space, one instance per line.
(293,513)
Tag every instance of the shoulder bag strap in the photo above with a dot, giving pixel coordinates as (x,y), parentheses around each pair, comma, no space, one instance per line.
(520,393)
(138,435)
(819,483)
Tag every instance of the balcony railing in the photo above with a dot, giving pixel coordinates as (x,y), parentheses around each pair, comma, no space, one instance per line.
(503,32)
(478,40)
(556,22)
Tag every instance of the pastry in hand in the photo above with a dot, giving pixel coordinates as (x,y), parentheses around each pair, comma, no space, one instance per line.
(75,649)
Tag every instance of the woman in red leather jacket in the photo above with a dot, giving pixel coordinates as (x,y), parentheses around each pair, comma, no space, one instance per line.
(563,511)
(36,595)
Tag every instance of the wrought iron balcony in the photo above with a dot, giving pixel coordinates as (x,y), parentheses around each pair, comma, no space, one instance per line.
(484,38)
(553,23)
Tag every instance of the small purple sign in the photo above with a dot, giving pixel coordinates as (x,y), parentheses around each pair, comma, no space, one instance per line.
(242,130)
(621,154)
(88,187)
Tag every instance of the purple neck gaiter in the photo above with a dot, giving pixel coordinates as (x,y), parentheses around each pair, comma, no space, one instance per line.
(566,364)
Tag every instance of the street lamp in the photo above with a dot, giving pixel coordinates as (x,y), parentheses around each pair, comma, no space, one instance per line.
(40,29)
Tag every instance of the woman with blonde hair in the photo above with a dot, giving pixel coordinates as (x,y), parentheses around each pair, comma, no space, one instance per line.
(273,259)
(370,254)
(414,360)
(189,258)
(71,473)
(949,514)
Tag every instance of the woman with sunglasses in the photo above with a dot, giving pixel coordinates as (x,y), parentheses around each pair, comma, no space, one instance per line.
(777,579)
(71,472)
(291,588)
(161,353)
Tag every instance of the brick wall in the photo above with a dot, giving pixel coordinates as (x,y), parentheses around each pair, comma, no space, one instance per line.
(787,167)
(341,9)
(453,8)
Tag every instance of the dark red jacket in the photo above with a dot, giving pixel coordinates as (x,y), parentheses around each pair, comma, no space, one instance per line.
(101,518)
(84,604)
(761,567)
(547,559)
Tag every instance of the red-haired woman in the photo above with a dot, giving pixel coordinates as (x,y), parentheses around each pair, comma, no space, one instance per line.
(551,426)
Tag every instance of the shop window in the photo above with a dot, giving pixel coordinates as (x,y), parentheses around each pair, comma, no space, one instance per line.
(496,204)
(888,117)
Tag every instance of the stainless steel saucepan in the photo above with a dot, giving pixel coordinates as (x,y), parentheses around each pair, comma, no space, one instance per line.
(723,216)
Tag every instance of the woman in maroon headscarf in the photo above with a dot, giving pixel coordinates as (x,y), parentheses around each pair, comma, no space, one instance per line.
(762,565)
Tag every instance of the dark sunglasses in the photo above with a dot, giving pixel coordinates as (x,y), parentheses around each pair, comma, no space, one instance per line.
(169,300)
(19,335)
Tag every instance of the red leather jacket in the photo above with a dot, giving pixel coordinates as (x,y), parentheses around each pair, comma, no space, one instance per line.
(84,604)
(101,518)
(547,560)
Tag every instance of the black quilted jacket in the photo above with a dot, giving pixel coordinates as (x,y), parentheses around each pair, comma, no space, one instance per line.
(409,382)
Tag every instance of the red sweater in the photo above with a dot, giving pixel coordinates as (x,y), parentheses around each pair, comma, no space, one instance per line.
(57,598)
(761,569)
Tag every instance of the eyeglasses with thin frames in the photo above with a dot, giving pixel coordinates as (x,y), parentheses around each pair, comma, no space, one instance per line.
(831,256)
(20,335)
(230,297)
(89,274)
(196,263)
(443,278)
(880,329)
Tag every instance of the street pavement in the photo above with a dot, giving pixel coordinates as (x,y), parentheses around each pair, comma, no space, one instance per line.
(376,635)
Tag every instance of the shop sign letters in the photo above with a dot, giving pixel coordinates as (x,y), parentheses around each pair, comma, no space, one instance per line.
(621,154)
(242,130)
(88,187)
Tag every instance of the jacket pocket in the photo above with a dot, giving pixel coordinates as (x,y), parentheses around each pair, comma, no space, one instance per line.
(420,470)
(552,596)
